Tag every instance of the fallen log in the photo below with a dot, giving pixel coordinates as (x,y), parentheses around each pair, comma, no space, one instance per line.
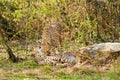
(101,48)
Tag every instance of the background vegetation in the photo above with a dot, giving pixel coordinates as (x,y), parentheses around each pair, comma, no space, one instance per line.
(84,21)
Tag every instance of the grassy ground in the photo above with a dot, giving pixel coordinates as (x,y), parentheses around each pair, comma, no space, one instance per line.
(29,70)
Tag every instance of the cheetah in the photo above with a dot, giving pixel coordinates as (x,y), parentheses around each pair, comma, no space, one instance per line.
(51,39)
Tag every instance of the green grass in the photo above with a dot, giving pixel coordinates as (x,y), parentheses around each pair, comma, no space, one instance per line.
(29,70)
(47,68)
(18,77)
(63,76)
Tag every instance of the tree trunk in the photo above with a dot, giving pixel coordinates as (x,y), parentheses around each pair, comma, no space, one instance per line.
(12,57)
